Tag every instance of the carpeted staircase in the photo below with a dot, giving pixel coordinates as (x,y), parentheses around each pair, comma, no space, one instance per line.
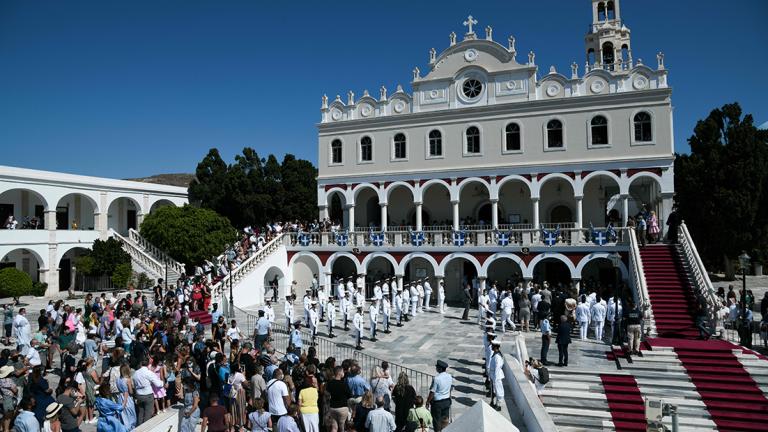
(625,402)
(203,317)
(669,290)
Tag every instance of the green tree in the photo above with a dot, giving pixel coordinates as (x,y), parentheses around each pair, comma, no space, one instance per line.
(106,256)
(188,234)
(121,275)
(299,177)
(14,283)
(722,186)
(210,175)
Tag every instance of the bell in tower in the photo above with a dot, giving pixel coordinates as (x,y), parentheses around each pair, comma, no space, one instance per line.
(608,40)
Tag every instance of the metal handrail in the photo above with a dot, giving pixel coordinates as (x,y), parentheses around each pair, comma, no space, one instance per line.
(421,381)
(155,252)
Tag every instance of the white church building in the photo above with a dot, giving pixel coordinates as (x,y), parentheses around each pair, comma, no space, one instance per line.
(472,172)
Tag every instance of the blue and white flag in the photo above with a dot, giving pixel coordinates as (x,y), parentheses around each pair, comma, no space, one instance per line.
(600,238)
(417,237)
(377,239)
(611,233)
(342,238)
(304,239)
(549,237)
(502,239)
(459,238)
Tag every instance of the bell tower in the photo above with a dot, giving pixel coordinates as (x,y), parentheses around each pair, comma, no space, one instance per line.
(607,43)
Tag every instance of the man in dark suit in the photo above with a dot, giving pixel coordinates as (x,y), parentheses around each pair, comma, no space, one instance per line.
(563,340)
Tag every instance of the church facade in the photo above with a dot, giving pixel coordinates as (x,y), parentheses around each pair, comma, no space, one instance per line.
(491,168)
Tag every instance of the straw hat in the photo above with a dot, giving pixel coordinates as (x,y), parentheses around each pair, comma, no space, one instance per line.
(5,371)
(52,410)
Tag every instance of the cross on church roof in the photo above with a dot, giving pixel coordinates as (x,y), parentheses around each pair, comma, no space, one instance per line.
(469,23)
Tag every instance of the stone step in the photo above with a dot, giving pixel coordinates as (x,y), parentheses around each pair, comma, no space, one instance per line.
(684,409)
(699,423)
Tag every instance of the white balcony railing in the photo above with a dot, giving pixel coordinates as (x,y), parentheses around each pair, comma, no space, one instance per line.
(520,237)
(158,254)
(702,284)
(639,285)
(139,255)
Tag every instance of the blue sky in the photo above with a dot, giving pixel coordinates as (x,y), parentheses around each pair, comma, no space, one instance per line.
(140,87)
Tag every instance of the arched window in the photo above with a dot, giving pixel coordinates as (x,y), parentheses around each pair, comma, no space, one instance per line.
(608,55)
(366,149)
(610,11)
(601,11)
(555,134)
(399,150)
(591,56)
(435,143)
(643,127)
(599,130)
(336,151)
(625,55)
(512,135)
(473,140)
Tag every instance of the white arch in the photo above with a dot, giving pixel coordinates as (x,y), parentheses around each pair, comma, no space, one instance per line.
(370,257)
(388,190)
(503,255)
(333,190)
(94,201)
(332,259)
(645,174)
(471,258)
(156,199)
(7,187)
(359,187)
(600,255)
(469,180)
(513,177)
(429,183)
(594,174)
(136,202)
(63,249)
(311,255)
(551,176)
(39,251)
(528,272)
(406,259)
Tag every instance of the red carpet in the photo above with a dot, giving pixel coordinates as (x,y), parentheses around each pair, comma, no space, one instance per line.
(670,293)
(202,317)
(625,402)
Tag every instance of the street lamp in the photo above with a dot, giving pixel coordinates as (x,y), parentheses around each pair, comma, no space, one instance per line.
(616,261)
(231,298)
(746,325)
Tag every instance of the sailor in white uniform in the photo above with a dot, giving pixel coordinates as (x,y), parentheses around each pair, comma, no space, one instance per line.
(330,313)
(357,322)
(441,297)
(399,306)
(414,296)
(269,312)
(427,294)
(496,375)
(288,312)
(314,319)
(597,314)
(582,316)
(507,312)
(386,311)
(373,317)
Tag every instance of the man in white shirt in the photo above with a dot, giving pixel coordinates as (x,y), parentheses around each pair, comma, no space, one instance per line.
(597,313)
(357,322)
(582,316)
(322,300)
(399,307)
(380,420)
(306,301)
(373,315)
(350,285)
(263,330)
(22,330)
(507,312)
(385,287)
(346,308)
(233,332)
(406,301)
(420,291)
(441,297)
(386,310)
(277,396)
(482,307)
(359,297)
(414,297)
(496,375)
(269,312)
(427,294)
(340,294)
(314,319)
(330,311)
(288,312)
(33,357)
(143,380)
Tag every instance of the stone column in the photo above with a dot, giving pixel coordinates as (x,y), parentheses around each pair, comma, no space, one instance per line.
(624,209)
(400,282)
(383,216)
(323,212)
(535,213)
(579,212)
(351,217)
(49,219)
(419,225)
(329,284)
(455,215)
(495,214)
(482,284)
(667,202)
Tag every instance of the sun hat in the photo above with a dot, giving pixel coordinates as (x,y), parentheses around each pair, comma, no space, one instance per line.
(5,371)
(52,410)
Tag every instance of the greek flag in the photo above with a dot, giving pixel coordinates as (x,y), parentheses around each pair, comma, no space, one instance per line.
(417,237)
(342,238)
(459,238)
(502,239)
(600,238)
(304,239)
(611,233)
(549,237)
(377,239)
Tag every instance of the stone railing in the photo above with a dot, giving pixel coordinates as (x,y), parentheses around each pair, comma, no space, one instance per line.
(247,266)
(637,279)
(699,277)
(520,237)
(530,408)
(139,255)
(155,252)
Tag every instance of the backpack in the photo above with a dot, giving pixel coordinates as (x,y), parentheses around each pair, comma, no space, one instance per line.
(543,375)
